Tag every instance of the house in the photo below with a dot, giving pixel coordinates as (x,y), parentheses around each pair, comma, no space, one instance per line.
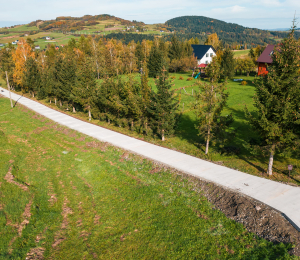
(264,60)
(48,38)
(37,47)
(204,54)
(14,43)
(1,44)
(56,47)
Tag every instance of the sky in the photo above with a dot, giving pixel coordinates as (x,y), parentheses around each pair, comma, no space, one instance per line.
(262,14)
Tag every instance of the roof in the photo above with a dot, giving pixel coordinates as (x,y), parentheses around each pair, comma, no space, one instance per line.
(202,65)
(266,56)
(201,50)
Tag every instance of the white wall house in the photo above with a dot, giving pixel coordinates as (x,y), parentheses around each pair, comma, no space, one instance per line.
(203,53)
(207,58)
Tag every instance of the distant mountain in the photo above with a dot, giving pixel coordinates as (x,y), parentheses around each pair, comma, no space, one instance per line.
(229,33)
(279,29)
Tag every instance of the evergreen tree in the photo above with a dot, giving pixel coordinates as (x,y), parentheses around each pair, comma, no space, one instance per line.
(32,77)
(210,102)
(156,62)
(175,49)
(228,64)
(277,99)
(65,78)
(162,108)
(85,88)
(139,54)
(7,63)
(213,70)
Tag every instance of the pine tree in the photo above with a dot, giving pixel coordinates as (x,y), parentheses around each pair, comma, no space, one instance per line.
(162,108)
(210,102)
(227,64)
(277,99)
(139,54)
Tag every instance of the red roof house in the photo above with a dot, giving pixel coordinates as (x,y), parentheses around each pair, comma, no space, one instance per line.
(264,60)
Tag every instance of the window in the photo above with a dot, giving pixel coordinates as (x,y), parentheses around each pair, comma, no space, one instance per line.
(211,54)
(207,54)
(206,62)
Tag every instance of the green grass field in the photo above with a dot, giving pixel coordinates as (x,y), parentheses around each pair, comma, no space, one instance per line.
(241,53)
(66,196)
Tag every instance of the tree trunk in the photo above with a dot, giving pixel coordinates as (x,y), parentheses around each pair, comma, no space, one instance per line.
(60,103)
(32,94)
(270,167)
(50,101)
(90,116)
(74,110)
(55,101)
(163,135)
(11,104)
(132,125)
(207,141)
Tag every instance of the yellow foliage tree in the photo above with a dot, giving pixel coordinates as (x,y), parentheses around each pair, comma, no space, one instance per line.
(213,40)
(20,55)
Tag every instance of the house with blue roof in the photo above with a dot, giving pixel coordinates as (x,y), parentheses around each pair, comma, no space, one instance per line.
(204,54)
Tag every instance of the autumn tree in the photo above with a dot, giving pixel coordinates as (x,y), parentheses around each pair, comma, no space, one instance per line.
(277,115)
(213,40)
(20,55)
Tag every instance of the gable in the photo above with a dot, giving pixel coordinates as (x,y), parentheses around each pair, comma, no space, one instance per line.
(266,56)
(200,50)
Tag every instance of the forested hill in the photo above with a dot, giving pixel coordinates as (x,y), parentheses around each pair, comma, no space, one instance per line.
(228,32)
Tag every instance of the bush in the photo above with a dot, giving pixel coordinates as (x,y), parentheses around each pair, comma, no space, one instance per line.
(181,78)
(189,79)
(173,77)
(244,83)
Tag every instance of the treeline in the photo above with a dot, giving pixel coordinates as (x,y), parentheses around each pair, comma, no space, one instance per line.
(68,78)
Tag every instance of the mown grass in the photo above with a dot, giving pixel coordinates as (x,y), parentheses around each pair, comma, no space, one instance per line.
(241,53)
(88,200)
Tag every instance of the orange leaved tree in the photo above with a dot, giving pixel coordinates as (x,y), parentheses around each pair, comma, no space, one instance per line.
(20,55)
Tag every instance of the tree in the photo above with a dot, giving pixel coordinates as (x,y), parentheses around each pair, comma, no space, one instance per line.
(213,40)
(247,65)
(162,108)
(156,62)
(32,77)
(139,54)
(175,49)
(227,64)
(210,102)
(7,62)
(277,100)
(213,70)
(85,88)
(20,55)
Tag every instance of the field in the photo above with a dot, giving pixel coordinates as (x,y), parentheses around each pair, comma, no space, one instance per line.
(59,38)
(241,53)
(67,196)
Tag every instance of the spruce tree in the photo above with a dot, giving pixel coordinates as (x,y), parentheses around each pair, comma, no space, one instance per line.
(228,64)
(139,54)
(277,100)
(84,90)
(175,49)
(162,108)
(156,61)
(32,77)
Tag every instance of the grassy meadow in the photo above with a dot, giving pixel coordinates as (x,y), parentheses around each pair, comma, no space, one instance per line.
(66,196)
(241,53)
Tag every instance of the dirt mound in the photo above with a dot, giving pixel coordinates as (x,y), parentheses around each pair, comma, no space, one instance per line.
(257,217)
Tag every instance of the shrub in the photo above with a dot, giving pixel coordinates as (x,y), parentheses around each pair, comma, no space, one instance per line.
(181,78)
(244,82)
(173,77)
(189,79)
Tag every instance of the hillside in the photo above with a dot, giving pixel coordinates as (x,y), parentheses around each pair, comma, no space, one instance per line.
(108,26)
(228,32)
